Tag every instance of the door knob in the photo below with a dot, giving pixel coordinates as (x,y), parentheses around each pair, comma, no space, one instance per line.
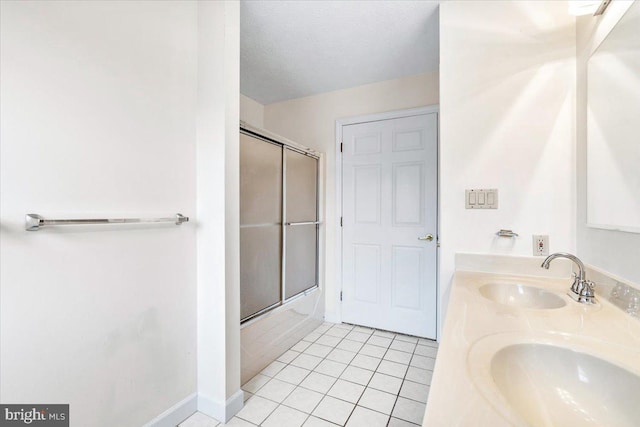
(428,237)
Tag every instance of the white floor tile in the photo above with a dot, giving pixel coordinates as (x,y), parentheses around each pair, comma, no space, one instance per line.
(199,420)
(425,350)
(342,356)
(406,338)
(238,422)
(349,345)
(257,409)
(414,391)
(418,375)
(317,422)
(306,361)
(303,400)
(363,329)
(345,390)
(246,396)
(255,383)
(373,351)
(329,367)
(337,332)
(408,347)
(301,346)
(292,374)
(275,390)
(343,326)
(288,356)
(284,416)
(322,329)
(318,382)
(422,362)
(379,341)
(377,400)
(357,375)
(409,410)
(396,422)
(392,368)
(386,383)
(385,334)
(398,356)
(328,340)
(272,369)
(363,417)
(312,337)
(334,410)
(318,350)
(424,341)
(358,336)
(366,362)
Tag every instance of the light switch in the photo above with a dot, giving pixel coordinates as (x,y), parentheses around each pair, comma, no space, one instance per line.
(481,198)
(472,198)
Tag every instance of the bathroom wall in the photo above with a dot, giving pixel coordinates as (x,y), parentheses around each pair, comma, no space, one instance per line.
(251,111)
(311,121)
(507,102)
(609,250)
(99,111)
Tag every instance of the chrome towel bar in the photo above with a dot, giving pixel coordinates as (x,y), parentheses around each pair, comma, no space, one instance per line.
(303,223)
(34,222)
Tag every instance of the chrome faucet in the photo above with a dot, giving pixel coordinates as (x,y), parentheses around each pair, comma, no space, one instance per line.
(581,289)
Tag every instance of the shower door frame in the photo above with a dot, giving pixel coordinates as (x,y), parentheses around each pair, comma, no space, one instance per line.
(285,144)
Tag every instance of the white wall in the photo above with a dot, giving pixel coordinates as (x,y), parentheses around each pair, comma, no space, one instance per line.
(613,251)
(251,111)
(311,121)
(218,183)
(99,103)
(507,79)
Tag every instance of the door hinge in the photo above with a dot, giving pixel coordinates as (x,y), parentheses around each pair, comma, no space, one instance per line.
(340,295)
(340,221)
(341,147)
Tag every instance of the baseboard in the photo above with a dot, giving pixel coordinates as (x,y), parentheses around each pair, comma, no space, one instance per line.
(221,411)
(177,413)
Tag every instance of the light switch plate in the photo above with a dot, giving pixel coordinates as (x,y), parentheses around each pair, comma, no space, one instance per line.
(481,198)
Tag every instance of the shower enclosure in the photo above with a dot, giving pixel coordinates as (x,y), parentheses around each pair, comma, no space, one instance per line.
(278,223)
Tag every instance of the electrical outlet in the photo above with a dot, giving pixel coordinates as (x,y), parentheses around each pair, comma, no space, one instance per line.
(540,245)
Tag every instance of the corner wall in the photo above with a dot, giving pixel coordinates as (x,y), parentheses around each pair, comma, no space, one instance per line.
(507,90)
(98,119)
(311,121)
(613,251)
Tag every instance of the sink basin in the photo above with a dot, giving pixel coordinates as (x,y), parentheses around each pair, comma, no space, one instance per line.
(518,295)
(547,385)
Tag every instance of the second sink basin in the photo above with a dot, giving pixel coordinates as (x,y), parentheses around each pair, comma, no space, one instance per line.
(523,296)
(555,386)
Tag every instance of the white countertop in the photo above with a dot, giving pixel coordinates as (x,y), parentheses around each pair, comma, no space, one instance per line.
(461,395)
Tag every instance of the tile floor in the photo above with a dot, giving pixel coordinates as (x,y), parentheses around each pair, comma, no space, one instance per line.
(340,375)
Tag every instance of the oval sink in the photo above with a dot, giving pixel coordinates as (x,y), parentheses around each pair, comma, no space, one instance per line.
(555,386)
(517,295)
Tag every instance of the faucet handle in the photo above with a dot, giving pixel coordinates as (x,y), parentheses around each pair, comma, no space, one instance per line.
(587,289)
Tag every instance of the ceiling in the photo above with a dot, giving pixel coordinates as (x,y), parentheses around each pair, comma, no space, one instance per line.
(292,49)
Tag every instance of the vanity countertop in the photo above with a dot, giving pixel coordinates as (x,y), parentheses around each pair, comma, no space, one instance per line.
(459,395)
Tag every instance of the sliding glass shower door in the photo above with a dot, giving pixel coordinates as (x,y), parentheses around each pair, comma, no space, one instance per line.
(278,223)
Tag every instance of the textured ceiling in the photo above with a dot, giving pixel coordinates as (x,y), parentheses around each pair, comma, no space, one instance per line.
(291,49)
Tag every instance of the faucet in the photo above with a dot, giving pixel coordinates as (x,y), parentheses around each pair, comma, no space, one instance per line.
(581,289)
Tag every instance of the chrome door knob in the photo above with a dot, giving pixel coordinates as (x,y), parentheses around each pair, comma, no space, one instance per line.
(428,237)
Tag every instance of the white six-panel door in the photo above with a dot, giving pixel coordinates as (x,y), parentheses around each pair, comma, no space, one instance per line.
(389,208)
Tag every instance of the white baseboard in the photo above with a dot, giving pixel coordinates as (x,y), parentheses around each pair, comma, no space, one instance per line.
(177,413)
(221,411)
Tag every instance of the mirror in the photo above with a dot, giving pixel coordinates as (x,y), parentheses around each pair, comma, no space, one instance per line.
(613,128)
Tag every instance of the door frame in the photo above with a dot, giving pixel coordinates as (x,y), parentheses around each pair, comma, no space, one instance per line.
(340,123)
